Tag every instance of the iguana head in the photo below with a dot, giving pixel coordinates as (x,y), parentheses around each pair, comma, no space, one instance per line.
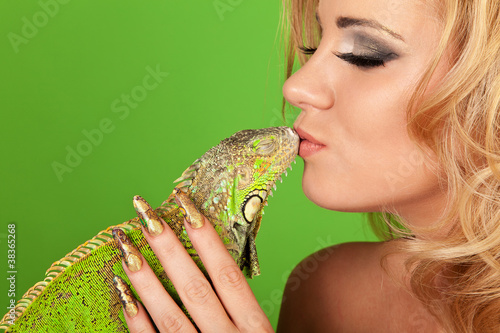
(230,185)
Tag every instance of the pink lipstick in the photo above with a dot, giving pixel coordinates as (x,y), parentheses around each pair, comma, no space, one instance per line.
(308,144)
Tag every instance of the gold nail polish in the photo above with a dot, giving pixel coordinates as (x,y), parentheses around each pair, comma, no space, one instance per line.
(147,216)
(130,253)
(127,299)
(192,215)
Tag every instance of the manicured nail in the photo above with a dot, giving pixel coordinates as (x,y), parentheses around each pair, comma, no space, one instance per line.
(147,216)
(128,300)
(130,253)
(191,213)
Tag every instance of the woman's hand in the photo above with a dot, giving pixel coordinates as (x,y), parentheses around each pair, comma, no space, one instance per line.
(228,307)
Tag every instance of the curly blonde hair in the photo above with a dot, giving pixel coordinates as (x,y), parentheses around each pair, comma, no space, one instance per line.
(457,277)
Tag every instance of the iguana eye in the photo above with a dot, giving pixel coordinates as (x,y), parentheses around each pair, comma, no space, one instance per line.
(265,146)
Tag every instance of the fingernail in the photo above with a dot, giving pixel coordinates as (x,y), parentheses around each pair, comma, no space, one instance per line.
(128,300)
(191,213)
(147,216)
(130,253)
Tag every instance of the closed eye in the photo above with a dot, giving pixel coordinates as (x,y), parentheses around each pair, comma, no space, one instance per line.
(362,61)
(366,61)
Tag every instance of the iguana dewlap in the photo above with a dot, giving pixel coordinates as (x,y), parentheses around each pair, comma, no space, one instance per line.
(229,184)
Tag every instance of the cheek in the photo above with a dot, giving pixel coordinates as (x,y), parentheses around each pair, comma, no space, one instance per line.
(374,102)
(372,124)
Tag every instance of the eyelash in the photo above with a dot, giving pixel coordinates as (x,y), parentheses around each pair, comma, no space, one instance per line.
(356,60)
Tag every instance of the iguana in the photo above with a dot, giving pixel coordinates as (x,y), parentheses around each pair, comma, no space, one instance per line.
(229,184)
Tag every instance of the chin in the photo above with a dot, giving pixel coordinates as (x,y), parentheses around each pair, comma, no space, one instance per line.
(334,198)
(321,196)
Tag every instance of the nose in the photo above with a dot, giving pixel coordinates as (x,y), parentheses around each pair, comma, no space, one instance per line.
(310,87)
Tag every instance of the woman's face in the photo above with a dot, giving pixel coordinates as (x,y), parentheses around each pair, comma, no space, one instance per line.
(353,93)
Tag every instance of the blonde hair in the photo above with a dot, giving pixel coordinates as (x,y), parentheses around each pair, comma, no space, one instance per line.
(458,277)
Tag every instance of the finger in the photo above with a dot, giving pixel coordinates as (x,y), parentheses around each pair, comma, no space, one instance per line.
(135,315)
(167,316)
(193,288)
(228,280)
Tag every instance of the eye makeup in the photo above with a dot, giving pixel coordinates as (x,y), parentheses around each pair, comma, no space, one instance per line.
(362,50)
(360,42)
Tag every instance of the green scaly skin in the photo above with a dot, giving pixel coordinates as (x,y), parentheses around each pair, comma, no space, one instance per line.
(229,184)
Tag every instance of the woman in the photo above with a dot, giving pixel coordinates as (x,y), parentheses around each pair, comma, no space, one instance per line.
(400,104)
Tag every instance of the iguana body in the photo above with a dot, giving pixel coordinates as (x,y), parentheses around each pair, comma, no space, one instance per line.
(229,184)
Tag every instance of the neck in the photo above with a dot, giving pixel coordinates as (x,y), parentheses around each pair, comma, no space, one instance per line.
(423,217)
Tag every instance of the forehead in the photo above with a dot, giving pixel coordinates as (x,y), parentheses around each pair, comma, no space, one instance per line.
(397,12)
(418,22)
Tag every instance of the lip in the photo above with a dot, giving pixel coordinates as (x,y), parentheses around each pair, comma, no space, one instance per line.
(308,144)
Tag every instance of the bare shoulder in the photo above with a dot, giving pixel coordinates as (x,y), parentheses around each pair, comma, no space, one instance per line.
(324,289)
(343,288)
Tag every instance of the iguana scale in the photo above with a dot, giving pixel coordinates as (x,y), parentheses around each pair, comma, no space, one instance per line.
(229,184)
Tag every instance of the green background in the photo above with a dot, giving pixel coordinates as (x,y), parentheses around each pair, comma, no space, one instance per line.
(65,68)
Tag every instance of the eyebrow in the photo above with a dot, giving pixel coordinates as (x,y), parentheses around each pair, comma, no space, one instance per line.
(345,22)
